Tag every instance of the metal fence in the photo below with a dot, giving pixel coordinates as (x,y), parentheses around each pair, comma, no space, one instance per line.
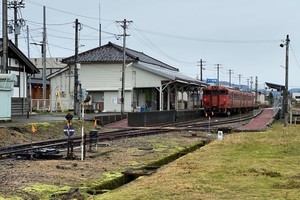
(40,105)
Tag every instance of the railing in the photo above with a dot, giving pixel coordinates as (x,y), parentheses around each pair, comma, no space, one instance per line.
(277,106)
(40,105)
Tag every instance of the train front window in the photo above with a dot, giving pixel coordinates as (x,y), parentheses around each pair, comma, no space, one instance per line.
(224,92)
(215,92)
(206,92)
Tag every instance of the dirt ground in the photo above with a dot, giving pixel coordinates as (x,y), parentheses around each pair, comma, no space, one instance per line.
(110,157)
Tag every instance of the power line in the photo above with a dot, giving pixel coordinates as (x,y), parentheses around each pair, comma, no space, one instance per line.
(66,12)
(206,39)
(294,56)
(48,24)
(155,48)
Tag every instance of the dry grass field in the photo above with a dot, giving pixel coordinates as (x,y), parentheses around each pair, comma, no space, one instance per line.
(259,165)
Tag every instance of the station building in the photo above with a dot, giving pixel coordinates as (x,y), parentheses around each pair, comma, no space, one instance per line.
(149,84)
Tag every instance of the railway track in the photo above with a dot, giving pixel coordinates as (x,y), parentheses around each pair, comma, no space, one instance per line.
(203,123)
(193,125)
(76,141)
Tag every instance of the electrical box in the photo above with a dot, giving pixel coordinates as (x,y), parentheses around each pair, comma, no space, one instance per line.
(6,91)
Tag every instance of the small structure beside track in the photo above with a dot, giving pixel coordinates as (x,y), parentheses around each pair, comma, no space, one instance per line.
(136,119)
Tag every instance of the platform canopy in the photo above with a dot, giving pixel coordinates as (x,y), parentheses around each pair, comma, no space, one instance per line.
(275,86)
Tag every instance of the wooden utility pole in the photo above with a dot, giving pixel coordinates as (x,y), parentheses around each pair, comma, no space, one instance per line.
(4,37)
(124,26)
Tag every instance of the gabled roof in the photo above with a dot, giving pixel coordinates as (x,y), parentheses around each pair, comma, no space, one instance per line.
(15,52)
(114,53)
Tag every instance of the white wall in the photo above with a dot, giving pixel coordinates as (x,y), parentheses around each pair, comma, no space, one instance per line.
(104,77)
(62,91)
(145,79)
(20,91)
(111,103)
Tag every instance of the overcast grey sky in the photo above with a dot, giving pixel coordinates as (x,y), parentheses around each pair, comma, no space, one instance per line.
(241,35)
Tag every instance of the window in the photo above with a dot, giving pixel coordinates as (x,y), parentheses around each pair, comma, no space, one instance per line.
(206,92)
(224,92)
(17,81)
(215,92)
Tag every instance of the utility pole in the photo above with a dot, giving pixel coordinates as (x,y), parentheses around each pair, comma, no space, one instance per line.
(256,90)
(4,37)
(218,73)
(76,81)
(248,84)
(286,89)
(28,46)
(240,78)
(201,64)
(29,75)
(251,83)
(124,25)
(230,72)
(44,55)
(17,23)
(100,28)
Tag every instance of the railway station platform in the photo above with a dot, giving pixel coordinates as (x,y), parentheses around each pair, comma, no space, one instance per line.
(102,118)
(261,122)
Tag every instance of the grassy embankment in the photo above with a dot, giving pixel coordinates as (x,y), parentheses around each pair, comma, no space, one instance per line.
(260,165)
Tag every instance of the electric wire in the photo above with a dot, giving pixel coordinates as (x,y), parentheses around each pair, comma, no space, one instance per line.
(208,40)
(155,47)
(298,65)
(66,12)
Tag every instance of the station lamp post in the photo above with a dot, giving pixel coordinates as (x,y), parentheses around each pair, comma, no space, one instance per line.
(286,89)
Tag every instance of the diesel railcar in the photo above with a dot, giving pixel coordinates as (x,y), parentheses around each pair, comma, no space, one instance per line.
(226,100)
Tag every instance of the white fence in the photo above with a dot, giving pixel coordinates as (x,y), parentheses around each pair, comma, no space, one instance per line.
(40,105)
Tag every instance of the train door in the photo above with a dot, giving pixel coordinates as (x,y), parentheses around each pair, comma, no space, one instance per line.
(215,100)
(206,99)
(223,99)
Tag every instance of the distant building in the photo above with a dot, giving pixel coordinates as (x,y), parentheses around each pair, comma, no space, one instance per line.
(23,68)
(261,99)
(296,96)
(52,65)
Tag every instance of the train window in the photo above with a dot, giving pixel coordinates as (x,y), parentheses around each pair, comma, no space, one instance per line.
(215,92)
(205,92)
(224,92)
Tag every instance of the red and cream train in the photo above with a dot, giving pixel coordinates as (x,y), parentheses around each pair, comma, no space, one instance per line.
(226,100)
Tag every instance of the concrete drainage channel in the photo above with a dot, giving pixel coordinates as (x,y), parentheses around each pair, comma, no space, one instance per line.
(132,174)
